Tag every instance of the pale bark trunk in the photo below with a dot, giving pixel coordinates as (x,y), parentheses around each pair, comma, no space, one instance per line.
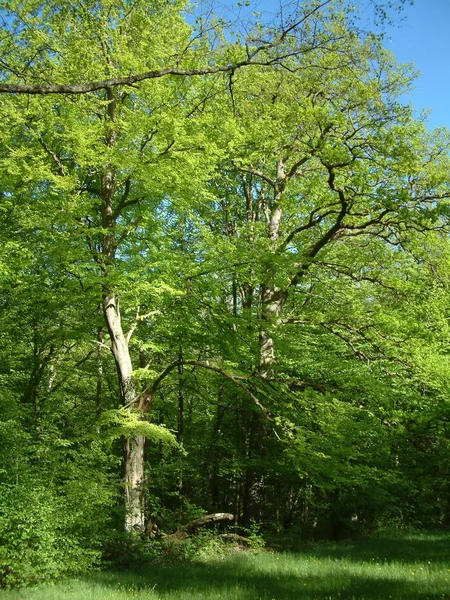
(120,350)
(272,302)
(37,371)
(271,298)
(180,432)
(134,483)
(99,394)
(214,453)
(134,449)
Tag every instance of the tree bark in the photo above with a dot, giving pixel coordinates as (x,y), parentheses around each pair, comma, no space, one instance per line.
(192,527)
(110,211)
(271,304)
(134,447)
(134,482)
(253,495)
(99,391)
(32,390)
(180,430)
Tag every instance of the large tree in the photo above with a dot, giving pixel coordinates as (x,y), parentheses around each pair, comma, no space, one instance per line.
(295,133)
(328,178)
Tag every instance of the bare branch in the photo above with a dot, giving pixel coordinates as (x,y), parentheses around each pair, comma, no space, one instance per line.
(348,341)
(123,201)
(86,88)
(259,174)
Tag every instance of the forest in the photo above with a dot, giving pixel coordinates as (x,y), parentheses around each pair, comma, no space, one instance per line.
(225,280)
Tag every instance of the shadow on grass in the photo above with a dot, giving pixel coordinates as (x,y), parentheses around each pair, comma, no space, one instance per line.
(341,571)
(428,548)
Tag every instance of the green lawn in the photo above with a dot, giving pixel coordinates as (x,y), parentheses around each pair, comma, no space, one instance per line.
(408,567)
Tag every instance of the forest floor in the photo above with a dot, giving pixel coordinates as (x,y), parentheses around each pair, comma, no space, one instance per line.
(406,567)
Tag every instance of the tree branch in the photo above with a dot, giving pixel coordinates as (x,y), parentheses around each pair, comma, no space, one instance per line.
(329,235)
(124,199)
(86,88)
(53,156)
(131,80)
(147,395)
(311,223)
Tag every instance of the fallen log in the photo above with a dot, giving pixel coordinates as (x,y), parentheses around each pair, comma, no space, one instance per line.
(196,524)
(193,526)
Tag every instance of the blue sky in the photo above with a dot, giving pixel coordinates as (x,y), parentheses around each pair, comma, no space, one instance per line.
(424,38)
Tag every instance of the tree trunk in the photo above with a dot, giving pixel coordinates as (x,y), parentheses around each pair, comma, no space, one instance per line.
(214,453)
(253,495)
(180,430)
(271,302)
(38,370)
(32,390)
(271,305)
(99,394)
(134,448)
(193,526)
(134,484)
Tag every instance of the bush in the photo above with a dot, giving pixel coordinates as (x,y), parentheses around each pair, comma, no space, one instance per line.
(39,538)
(205,545)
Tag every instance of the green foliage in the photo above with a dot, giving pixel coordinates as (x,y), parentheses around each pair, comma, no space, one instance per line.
(126,423)
(205,546)
(43,536)
(299,208)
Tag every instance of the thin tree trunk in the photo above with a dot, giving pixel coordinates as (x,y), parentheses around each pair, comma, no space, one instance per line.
(99,394)
(37,369)
(215,451)
(37,410)
(36,377)
(180,430)
(32,391)
(253,496)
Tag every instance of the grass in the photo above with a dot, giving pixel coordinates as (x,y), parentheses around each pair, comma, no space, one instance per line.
(404,568)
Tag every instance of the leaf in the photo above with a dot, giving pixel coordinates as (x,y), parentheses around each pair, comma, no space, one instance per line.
(119,423)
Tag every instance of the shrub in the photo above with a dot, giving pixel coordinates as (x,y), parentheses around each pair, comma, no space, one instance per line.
(39,537)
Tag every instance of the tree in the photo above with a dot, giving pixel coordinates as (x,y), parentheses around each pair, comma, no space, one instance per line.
(329,176)
(314,167)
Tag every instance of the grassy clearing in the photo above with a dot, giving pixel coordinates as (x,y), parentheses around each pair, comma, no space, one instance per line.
(408,567)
